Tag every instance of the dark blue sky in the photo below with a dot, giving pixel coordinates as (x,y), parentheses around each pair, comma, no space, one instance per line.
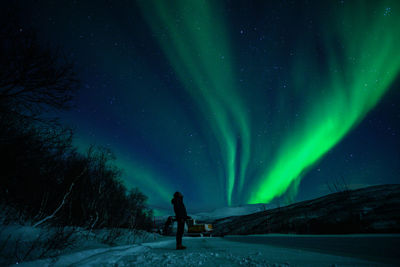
(209,97)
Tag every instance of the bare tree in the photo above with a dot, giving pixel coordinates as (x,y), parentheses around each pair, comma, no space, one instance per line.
(66,195)
(34,78)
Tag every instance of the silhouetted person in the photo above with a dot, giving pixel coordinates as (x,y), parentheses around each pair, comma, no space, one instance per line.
(181,216)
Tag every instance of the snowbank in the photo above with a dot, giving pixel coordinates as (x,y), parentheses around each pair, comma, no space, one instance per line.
(201,252)
(20,243)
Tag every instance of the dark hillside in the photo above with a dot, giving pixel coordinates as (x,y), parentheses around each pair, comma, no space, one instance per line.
(374,209)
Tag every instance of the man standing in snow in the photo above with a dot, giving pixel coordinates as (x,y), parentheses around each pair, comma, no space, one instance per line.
(181,216)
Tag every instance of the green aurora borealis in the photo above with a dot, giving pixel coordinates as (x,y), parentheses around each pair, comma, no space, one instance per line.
(362,54)
(234,102)
(198,49)
(359,73)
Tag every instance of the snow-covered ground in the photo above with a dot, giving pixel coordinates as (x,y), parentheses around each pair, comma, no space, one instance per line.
(205,251)
(20,243)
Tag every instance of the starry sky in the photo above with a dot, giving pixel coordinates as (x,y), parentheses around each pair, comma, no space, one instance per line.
(233,102)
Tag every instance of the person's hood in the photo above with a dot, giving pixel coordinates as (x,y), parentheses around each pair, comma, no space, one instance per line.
(175,200)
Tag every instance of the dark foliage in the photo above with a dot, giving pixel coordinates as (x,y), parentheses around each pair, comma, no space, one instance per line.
(43,178)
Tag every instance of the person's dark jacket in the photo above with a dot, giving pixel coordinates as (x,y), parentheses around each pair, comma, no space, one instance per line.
(179,208)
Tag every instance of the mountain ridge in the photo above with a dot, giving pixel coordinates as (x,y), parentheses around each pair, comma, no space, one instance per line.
(374,209)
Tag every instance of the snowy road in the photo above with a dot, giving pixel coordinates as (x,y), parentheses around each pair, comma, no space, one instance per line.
(381,248)
(206,252)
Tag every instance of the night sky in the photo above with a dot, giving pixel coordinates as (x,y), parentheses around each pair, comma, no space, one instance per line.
(234,102)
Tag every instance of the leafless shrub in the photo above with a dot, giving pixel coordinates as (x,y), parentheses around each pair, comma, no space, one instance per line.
(11,215)
(4,243)
(112,236)
(60,239)
(135,235)
(50,242)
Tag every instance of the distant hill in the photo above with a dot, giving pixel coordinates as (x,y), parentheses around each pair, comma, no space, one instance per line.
(374,209)
(231,211)
(219,213)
